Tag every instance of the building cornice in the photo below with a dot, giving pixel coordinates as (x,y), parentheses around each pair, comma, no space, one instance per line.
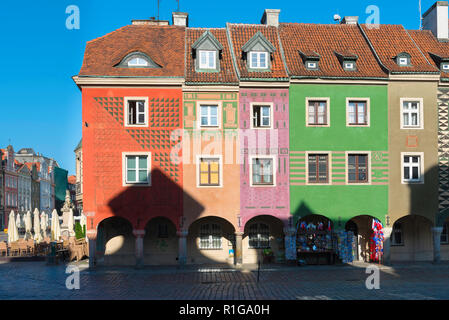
(127,81)
(209,88)
(265,84)
(414,77)
(380,81)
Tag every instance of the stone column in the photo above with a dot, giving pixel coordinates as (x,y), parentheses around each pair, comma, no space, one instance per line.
(386,259)
(290,244)
(182,247)
(238,254)
(92,238)
(139,234)
(436,243)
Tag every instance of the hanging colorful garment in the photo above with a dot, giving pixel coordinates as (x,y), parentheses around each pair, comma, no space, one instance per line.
(377,240)
(345,241)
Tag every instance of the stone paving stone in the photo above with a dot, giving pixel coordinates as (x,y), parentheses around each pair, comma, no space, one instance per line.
(36,280)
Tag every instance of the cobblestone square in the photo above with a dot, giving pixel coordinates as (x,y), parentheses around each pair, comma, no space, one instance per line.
(36,280)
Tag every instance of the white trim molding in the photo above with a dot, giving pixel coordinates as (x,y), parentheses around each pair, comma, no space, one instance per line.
(329,169)
(124,169)
(328,111)
(220,168)
(420,110)
(368,112)
(263,104)
(421,167)
(125,112)
(347,153)
(250,163)
(219,115)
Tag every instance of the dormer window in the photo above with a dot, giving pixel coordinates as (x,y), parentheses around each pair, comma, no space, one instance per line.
(137,60)
(403,59)
(257,53)
(441,60)
(349,66)
(206,53)
(312,65)
(258,60)
(208,59)
(311,59)
(348,60)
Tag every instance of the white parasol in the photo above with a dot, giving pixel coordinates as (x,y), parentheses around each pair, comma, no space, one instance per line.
(13,233)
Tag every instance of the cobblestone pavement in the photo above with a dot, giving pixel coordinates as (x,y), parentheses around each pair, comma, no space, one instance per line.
(36,280)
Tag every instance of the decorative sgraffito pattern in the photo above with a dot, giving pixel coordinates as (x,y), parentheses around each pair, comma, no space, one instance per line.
(229,108)
(379,168)
(163,115)
(443,148)
(113,105)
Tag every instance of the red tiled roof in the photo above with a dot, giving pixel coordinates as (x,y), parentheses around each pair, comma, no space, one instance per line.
(71,179)
(226,73)
(30,165)
(327,41)
(390,40)
(427,42)
(163,44)
(241,34)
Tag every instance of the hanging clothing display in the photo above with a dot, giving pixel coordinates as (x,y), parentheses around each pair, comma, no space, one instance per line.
(346,246)
(377,240)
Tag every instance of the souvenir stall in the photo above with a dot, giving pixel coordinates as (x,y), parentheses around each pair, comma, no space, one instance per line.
(315,241)
(376,243)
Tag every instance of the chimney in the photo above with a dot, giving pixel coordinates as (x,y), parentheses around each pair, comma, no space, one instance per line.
(436,20)
(181,19)
(271,17)
(350,20)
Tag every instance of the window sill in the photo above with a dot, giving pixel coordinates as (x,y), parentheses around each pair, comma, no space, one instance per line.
(412,182)
(209,249)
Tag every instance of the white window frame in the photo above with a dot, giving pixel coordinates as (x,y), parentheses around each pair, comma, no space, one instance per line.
(125,183)
(262,104)
(403,61)
(126,100)
(209,103)
(310,63)
(420,113)
(420,166)
(145,64)
(210,237)
(328,112)
(347,153)
(368,109)
(220,165)
(349,65)
(275,164)
(259,60)
(445,66)
(206,65)
(329,158)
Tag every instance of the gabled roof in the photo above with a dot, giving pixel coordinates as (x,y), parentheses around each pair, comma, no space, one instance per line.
(390,40)
(240,34)
(430,45)
(207,35)
(258,39)
(163,44)
(327,42)
(226,75)
(30,165)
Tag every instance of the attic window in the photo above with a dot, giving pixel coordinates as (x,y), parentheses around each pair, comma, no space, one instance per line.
(349,65)
(403,59)
(208,59)
(445,66)
(137,62)
(312,65)
(258,60)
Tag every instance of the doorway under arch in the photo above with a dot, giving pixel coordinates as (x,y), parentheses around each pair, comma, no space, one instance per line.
(115,242)
(160,243)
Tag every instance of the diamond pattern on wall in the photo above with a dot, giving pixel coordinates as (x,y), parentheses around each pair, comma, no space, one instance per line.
(443,148)
(163,119)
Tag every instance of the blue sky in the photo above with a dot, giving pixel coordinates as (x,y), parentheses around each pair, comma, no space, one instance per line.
(40,104)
